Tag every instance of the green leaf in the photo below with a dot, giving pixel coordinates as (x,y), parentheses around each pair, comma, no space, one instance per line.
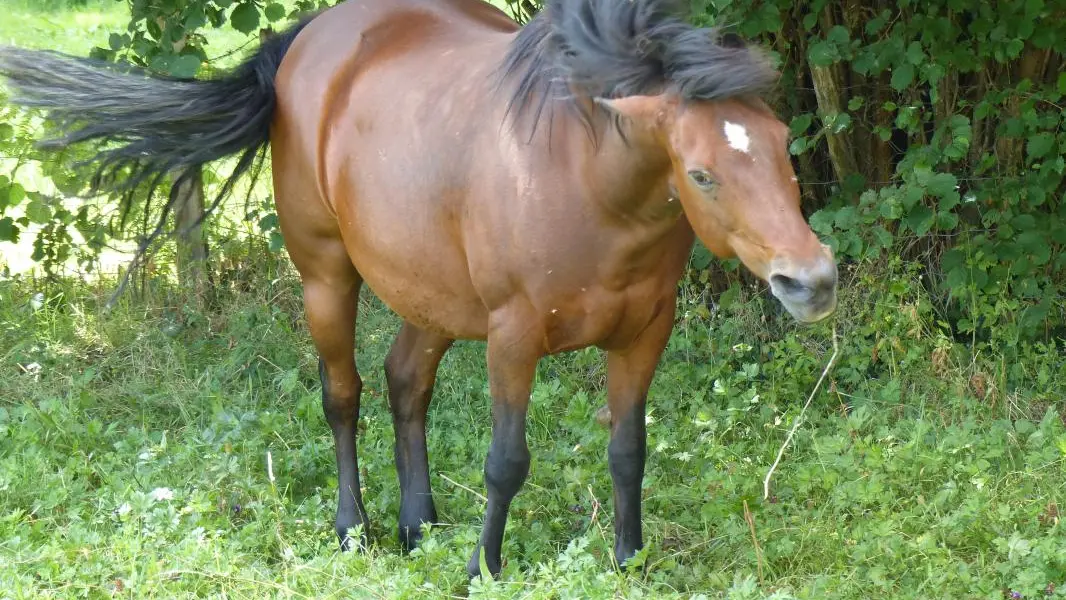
(274,12)
(839,122)
(245,18)
(1039,145)
(184,66)
(729,297)
(902,76)
(875,24)
(196,18)
(9,232)
(919,220)
(912,195)
(946,220)
(882,236)
(941,184)
(38,212)
(11,195)
(890,208)
(949,201)
(822,54)
(800,124)
(847,218)
(865,61)
(953,259)
(276,241)
(117,41)
(915,55)
(798,146)
(6,131)
(1014,48)
(1044,38)
(1035,245)
(268,222)
(822,221)
(839,35)
(1023,222)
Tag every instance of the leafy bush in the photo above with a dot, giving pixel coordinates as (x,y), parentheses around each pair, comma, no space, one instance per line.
(931,131)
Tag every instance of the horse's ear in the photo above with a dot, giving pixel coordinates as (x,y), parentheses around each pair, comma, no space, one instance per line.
(643,109)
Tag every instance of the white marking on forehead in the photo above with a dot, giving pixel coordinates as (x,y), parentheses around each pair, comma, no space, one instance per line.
(737,136)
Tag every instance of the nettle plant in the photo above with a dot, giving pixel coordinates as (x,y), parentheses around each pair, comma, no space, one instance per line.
(932,131)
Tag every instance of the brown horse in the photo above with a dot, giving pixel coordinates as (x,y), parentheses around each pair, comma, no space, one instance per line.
(535,187)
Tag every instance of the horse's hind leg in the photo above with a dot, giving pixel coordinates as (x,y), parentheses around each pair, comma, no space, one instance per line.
(411,370)
(331,292)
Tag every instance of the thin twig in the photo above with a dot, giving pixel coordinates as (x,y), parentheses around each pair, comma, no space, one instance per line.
(799,419)
(461,486)
(755,540)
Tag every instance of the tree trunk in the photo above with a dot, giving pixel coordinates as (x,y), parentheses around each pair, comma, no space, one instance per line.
(192,246)
(841,153)
(827,89)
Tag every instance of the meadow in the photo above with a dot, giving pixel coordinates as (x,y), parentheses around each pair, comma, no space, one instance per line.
(175,447)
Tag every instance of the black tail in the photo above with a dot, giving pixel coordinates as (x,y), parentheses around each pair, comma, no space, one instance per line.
(150,126)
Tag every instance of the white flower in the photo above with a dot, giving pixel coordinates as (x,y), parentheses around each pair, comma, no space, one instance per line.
(160,494)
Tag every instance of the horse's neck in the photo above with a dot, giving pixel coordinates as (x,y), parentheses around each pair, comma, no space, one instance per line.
(629,176)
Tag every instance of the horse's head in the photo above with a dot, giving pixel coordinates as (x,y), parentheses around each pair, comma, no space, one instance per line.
(732,173)
(691,94)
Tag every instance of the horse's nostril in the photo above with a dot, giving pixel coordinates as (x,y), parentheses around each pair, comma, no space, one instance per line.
(808,291)
(788,286)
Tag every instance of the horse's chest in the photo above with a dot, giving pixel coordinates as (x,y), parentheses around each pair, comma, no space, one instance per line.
(597,316)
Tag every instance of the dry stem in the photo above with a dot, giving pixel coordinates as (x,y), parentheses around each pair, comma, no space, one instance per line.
(799,419)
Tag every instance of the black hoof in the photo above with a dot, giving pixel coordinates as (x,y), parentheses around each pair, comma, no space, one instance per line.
(410,528)
(628,559)
(473,566)
(351,539)
(410,536)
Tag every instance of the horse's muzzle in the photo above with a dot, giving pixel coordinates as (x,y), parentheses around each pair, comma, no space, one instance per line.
(808,290)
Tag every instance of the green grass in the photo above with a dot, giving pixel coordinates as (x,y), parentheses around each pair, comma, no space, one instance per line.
(39,25)
(901,483)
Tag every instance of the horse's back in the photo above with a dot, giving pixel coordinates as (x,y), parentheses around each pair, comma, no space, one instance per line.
(381,106)
(341,45)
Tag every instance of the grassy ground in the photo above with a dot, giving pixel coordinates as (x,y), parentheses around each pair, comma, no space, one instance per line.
(134,445)
(133,458)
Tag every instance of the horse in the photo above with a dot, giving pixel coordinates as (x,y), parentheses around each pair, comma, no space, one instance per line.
(538,187)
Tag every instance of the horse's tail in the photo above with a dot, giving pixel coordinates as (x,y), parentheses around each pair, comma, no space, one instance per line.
(151,126)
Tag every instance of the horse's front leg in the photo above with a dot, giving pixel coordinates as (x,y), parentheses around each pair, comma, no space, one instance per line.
(512,361)
(629,375)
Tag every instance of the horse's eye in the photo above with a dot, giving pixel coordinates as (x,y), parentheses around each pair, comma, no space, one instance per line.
(701,178)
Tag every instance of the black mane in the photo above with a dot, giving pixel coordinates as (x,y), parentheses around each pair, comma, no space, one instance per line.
(618,48)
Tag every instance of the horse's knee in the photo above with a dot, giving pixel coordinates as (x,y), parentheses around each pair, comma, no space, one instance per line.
(408,388)
(398,374)
(506,467)
(625,462)
(627,450)
(340,395)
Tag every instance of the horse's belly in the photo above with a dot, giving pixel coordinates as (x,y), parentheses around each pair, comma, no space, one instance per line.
(433,307)
(412,264)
